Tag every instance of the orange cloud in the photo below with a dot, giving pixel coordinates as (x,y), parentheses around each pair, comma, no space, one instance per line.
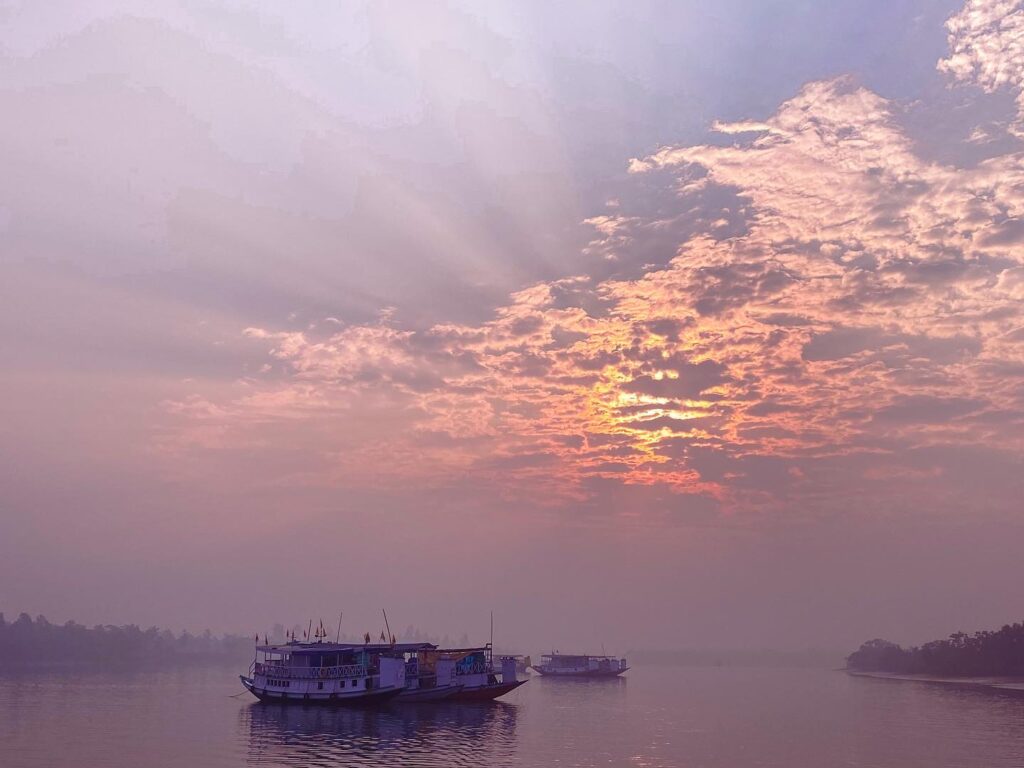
(863,327)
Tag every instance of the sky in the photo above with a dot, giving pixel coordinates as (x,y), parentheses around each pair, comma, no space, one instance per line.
(642,324)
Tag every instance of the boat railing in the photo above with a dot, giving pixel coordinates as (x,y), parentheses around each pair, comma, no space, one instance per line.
(311,673)
(475,669)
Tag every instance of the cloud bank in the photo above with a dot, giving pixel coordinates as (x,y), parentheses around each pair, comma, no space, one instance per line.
(840,332)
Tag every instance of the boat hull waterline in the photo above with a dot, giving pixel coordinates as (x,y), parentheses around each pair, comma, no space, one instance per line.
(354,699)
(428,694)
(486,692)
(583,673)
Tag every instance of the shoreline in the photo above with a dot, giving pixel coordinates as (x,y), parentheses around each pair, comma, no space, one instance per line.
(996,683)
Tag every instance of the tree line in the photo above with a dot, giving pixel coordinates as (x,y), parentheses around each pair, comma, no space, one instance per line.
(999,652)
(28,642)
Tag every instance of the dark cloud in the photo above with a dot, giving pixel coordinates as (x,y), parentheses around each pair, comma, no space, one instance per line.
(927,409)
(845,342)
(690,381)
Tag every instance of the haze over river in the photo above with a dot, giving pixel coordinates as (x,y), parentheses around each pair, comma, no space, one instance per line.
(686,717)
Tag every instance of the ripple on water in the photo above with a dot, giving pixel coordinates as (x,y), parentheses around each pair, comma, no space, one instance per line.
(656,717)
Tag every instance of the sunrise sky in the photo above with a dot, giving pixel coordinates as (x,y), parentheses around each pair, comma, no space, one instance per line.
(651,324)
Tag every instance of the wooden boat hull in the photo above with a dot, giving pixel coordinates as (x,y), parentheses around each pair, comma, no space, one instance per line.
(428,694)
(354,699)
(486,692)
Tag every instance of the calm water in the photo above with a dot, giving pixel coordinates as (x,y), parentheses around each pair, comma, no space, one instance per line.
(657,716)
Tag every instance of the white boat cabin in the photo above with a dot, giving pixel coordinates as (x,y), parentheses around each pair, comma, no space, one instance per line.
(580,664)
(327,671)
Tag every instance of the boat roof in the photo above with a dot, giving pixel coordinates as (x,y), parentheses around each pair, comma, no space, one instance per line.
(297,647)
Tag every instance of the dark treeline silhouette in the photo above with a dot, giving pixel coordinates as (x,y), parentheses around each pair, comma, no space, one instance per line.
(28,643)
(999,652)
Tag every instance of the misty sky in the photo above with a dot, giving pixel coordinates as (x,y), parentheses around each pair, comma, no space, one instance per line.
(651,324)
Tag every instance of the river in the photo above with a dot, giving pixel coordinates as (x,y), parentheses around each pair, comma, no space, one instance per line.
(684,717)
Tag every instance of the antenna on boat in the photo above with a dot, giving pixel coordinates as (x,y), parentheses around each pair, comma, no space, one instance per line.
(387,627)
(339,626)
(309,632)
(492,633)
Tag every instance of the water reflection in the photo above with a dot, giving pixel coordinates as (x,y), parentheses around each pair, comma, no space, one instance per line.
(412,734)
(660,717)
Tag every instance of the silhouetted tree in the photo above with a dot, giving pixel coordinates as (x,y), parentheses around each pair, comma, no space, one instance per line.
(960,655)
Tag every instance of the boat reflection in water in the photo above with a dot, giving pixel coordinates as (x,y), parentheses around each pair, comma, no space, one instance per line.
(436,734)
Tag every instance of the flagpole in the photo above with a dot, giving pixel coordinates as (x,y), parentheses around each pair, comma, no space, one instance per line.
(339,626)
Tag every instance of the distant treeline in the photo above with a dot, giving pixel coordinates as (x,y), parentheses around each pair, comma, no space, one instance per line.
(738,658)
(999,652)
(28,643)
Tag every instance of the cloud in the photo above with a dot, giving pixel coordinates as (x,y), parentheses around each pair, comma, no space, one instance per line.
(863,307)
(986,41)
(740,126)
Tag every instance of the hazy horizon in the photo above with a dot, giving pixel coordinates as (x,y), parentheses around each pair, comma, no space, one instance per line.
(650,324)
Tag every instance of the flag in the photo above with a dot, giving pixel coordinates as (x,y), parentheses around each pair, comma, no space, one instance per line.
(366,638)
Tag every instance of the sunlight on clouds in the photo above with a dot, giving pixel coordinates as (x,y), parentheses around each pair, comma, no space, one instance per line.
(869,310)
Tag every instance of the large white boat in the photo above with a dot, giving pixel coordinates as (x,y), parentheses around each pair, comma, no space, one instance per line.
(329,673)
(346,673)
(580,665)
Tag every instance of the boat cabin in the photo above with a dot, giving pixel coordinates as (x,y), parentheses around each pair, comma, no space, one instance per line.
(580,664)
(331,671)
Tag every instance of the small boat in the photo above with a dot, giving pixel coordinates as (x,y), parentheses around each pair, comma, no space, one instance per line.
(474,673)
(324,673)
(575,665)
